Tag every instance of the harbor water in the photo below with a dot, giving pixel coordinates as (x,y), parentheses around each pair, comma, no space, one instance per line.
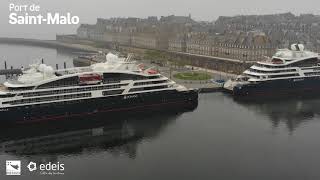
(222,138)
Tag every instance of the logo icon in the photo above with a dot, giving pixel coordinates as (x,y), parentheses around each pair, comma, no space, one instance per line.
(32,166)
(13,167)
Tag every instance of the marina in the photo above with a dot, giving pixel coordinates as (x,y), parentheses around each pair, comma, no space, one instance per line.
(110,62)
(225,133)
(291,71)
(159,90)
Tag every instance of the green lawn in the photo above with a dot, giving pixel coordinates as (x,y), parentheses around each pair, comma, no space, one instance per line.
(192,76)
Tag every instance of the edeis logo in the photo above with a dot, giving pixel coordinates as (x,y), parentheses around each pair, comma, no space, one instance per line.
(32,166)
(13,168)
(47,169)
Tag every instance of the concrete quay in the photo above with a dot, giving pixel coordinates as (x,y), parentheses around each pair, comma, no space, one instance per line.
(207,87)
(204,86)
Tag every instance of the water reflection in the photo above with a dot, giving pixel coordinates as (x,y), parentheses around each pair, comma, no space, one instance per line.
(45,142)
(119,136)
(293,112)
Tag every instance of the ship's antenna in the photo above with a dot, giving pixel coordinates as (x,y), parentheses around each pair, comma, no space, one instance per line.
(129,57)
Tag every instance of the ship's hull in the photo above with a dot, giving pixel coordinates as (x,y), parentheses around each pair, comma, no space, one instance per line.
(168,100)
(275,88)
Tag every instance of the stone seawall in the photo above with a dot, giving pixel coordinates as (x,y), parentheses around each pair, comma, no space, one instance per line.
(215,63)
(231,66)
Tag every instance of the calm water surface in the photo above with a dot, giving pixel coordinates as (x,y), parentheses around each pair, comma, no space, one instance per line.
(220,139)
(18,56)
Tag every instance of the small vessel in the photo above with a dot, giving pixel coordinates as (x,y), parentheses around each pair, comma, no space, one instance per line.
(218,82)
(88,59)
(115,86)
(289,71)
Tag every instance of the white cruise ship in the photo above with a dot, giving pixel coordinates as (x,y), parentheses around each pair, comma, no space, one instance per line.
(117,85)
(289,71)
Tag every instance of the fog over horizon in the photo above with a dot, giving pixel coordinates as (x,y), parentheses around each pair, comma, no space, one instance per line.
(89,11)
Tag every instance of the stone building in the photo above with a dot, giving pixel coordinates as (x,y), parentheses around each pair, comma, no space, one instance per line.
(91,32)
(122,38)
(145,40)
(246,38)
(149,32)
(242,46)
(178,43)
(83,31)
(199,43)
(282,29)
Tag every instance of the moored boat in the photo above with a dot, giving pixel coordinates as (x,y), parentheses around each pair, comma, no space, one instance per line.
(117,86)
(292,71)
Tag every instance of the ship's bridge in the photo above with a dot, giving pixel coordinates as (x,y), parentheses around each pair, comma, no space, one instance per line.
(290,55)
(284,57)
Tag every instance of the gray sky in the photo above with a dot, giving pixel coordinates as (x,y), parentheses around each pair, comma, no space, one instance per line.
(89,10)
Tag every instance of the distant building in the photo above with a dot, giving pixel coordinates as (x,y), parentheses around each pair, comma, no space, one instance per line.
(83,31)
(145,40)
(247,38)
(178,43)
(248,47)
(92,32)
(177,19)
(199,43)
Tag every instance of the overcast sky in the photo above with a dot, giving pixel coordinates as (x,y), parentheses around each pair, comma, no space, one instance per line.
(89,10)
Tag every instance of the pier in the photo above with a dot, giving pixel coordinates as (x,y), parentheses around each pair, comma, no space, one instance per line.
(10,72)
(204,88)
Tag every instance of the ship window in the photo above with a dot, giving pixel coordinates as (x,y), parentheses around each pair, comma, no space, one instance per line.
(311,68)
(20,88)
(117,77)
(312,73)
(270,66)
(62,91)
(147,88)
(277,61)
(154,77)
(112,92)
(306,62)
(283,75)
(6,95)
(70,81)
(276,71)
(150,82)
(131,77)
(51,98)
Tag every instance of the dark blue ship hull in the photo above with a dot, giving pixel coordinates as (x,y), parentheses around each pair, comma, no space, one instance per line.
(284,87)
(168,100)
